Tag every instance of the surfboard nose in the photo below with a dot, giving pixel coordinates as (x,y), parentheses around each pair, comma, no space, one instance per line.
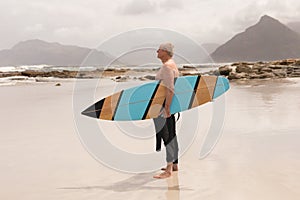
(90,112)
(94,110)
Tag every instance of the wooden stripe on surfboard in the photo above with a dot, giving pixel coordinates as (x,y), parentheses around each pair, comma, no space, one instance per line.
(205,90)
(211,83)
(109,106)
(156,102)
(116,107)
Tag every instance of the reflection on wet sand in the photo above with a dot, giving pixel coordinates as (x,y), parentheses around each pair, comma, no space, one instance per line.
(140,182)
(173,192)
(136,182)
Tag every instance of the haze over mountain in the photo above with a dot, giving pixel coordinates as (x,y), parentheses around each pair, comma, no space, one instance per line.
(267,40)
(210,47)
(35,52)
(295,26)
(145,54)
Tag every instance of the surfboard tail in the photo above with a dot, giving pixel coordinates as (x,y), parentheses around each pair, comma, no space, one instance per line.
(221,87)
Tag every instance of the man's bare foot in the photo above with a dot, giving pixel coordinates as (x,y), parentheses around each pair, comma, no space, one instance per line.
(174,169)
(163,175)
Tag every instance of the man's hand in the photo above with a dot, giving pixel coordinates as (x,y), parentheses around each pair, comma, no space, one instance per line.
(165,113)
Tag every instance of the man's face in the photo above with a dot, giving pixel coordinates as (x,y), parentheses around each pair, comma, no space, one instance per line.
(160,53)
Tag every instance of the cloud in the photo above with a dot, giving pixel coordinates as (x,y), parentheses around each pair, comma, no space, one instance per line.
(66,31)
(171,4)
(86,23)
(34,28)
(138,7)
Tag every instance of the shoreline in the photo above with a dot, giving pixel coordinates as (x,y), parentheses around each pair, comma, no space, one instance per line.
(238,71)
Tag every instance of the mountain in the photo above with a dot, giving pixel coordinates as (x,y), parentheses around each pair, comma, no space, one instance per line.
(34,52)
(267,40)
(295,26)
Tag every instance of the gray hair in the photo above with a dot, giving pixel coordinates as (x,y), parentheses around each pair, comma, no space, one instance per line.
(168,47)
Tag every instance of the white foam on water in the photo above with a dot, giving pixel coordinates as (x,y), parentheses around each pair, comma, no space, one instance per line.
(9,69)
(13,80)
(34,67)
(7,84)
(23,68)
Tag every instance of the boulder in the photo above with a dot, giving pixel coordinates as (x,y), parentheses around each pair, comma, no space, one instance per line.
(258,67)
(243,69)
(234,75)
(254,76)
(266,69)
(225,70)
(260,63)
(294,74)
(189,73)
(31,73)
(57,74)
(121,78)
(267,75)
(289,70)
(149,77)
(141,78)
(9,74)
(277,66)
(297,63)
(284,62)
(188,67)
(62,74)
(296,68)
(280,73)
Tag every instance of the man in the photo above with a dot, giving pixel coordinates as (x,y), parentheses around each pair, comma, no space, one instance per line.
(165,124)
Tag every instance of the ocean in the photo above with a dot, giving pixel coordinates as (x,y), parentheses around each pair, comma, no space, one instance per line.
(143,70)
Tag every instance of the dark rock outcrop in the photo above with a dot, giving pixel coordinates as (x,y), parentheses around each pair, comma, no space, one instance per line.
(225,70)
(263,70)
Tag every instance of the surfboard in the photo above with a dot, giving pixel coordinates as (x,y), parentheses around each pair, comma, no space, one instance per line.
(146,101)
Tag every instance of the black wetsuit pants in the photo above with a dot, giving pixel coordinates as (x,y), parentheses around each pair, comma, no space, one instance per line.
(166,130)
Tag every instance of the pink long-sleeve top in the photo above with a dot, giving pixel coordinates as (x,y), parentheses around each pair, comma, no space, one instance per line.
(167,75)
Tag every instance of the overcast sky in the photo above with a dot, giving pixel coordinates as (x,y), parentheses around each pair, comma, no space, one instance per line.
(89,22)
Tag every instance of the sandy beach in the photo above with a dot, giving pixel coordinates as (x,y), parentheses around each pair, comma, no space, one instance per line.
(257,157)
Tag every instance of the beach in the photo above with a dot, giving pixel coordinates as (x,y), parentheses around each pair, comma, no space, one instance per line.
(257,156)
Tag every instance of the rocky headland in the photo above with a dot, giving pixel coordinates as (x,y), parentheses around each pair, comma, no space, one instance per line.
(261,70)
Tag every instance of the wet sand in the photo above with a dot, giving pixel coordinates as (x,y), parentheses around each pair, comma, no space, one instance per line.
(257,157)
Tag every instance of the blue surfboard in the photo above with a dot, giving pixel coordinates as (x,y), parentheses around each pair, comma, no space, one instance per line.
(146,101)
